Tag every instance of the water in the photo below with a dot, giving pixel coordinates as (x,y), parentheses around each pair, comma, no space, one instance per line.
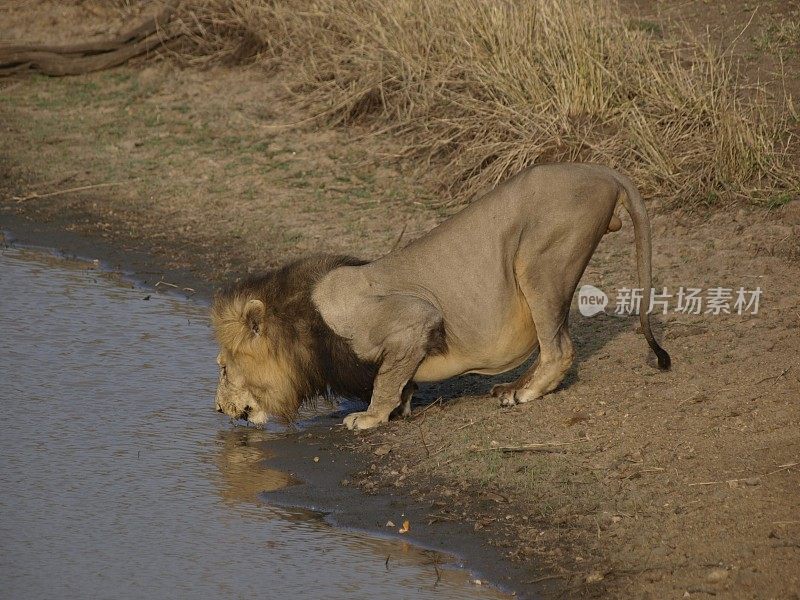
(117,479)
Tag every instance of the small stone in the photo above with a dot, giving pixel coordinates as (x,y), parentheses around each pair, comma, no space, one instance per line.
(382,450)
(316,459)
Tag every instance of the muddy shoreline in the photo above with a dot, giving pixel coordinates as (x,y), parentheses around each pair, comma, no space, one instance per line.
(327,482)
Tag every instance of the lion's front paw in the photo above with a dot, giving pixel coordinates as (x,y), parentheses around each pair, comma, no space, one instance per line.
(362,420)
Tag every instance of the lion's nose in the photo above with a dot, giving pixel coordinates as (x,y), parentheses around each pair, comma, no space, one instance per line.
(218,408)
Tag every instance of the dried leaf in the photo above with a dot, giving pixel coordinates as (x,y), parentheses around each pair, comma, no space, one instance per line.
(595,577)
(405,528)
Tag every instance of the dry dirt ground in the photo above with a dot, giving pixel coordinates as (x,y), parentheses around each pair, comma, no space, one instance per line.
(625,482)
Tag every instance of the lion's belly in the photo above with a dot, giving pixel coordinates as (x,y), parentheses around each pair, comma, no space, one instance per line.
(510,348)
(488,352)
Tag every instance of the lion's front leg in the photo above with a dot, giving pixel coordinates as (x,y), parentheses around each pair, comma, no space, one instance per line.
(390,389)
(405,325)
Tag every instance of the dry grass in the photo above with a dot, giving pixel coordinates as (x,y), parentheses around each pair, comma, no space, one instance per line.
(477,90)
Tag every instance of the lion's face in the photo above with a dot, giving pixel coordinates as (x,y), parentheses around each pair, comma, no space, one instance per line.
(257,377)
(235,396)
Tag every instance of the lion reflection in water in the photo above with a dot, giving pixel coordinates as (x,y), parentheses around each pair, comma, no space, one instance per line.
(242,475)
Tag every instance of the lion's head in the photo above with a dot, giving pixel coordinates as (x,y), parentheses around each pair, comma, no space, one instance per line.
(275,349)
(258,376)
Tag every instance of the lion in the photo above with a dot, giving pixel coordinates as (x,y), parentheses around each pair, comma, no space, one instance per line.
(480,293)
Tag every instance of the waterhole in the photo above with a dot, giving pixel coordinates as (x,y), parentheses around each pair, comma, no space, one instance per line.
(117,478)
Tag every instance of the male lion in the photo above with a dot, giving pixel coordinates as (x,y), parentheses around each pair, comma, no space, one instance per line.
(477,294)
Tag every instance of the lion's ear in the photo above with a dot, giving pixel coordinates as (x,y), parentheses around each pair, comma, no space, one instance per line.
(254,315)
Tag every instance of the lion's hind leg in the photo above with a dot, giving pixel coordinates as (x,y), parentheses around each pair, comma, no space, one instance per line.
(556,358)
(549,305)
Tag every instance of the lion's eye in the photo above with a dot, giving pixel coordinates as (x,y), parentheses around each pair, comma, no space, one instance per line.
(223,372)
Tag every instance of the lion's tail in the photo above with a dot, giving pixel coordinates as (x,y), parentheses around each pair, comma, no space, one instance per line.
(633,203)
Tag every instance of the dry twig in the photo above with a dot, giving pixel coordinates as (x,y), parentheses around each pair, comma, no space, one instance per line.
(775,377)
(426,409)
(82,188)
(533,447)
(745,479)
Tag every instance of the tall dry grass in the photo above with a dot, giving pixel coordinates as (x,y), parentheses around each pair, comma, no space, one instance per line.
(478,89)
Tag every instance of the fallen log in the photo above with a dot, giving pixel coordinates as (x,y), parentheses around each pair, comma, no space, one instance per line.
(85,57)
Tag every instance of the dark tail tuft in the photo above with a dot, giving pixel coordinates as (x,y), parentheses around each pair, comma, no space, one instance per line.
(664,361)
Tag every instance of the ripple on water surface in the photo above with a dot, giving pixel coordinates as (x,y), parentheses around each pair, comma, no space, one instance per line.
(118,480)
